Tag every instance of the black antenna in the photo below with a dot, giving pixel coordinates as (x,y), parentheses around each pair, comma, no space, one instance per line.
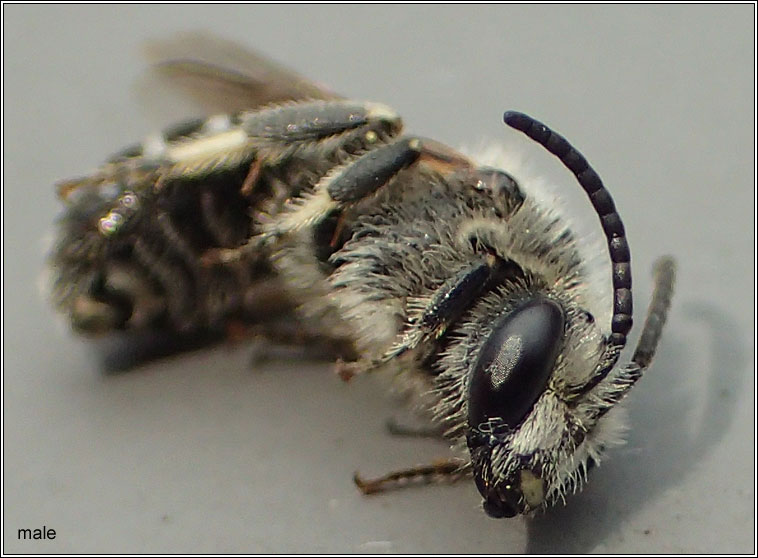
(601,200)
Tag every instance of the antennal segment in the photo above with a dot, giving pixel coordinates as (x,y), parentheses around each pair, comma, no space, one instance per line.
(601,200)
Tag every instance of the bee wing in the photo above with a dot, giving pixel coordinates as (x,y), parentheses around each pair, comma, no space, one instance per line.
(222,76)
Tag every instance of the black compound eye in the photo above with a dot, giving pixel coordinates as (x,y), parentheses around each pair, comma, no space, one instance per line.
(515,363)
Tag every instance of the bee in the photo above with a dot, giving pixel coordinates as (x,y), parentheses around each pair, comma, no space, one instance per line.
(451,277)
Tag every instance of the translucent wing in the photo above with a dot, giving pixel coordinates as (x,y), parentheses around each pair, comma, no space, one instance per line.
(222,76)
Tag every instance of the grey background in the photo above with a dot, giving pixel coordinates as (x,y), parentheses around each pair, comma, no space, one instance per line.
(205,452)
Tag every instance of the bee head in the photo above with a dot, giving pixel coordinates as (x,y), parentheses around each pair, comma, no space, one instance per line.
(509,376)
(535,419)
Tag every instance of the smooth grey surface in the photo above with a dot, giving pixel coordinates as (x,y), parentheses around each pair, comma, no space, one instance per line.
(206,453)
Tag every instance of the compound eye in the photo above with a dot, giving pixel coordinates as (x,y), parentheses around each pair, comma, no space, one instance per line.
(515,363)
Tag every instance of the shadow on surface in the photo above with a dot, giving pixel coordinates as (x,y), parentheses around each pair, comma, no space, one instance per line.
(127,351)
(666,440)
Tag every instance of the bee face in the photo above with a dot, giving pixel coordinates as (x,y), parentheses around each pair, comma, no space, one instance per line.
(511,374)
(512,371)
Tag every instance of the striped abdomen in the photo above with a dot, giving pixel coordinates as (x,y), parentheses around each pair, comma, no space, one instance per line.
(161,234)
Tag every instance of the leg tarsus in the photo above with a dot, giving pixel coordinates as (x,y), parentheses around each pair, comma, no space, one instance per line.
(396,428)
(293,334)
(443,471)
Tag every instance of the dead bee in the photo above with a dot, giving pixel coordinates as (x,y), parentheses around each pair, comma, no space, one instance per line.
(448,275)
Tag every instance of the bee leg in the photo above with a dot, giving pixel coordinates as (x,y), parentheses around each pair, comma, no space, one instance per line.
(443,471)
(287,338)
(223,256)
(347,370)
(362,176)
(397,428)
(349,184)
(254,247)
(248,185)
(430,317)
(320,128)
(270,312)
(309,121)
(271,135)
(290,332)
